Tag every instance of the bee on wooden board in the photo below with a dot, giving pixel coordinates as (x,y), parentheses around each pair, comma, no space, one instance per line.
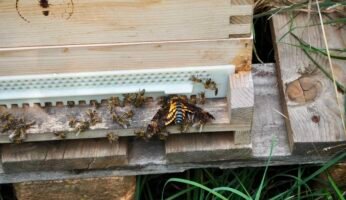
(112,137)
(93,117)
(60,134)
(177,111)
(113,102)
(73,122)
(82,126)
(208,84)
(120,120)
(139,99)
(211,85)
(141,134)
(18,134)
(201,99)
(95,104)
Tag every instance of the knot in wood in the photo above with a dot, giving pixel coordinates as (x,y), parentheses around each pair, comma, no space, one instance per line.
(303,90)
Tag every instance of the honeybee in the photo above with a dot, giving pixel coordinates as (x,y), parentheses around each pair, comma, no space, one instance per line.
(5,116)
(140,133)
(193,99)
(112,137)
(60,134)
(128,99)
(120,120)
(195,79)
(93,117)
(82,126)
(211,85)
(128,115)
(20,126)
(95,104)
(139,99)
(73,122)
(113,102)
(201,99)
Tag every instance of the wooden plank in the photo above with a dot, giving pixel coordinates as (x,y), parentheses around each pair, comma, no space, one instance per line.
(205,147)
(24,22)
(64,155)
(148,157)
(50,120)
(84,58)
(314,121)
(118,187)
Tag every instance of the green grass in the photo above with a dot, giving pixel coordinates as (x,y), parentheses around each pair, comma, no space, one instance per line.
(273,183)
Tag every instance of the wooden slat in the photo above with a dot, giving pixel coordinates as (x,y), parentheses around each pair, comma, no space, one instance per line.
(242,2)
(313,113)
(118,187)
(55,119)
(64,155)
(126,56)
(109,21)
(205,147)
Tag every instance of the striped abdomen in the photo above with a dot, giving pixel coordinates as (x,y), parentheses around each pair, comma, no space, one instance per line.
(177,113)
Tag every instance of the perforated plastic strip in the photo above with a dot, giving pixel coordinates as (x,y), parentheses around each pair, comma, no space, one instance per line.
(86,86)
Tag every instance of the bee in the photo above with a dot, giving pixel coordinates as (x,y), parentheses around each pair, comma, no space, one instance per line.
(113,102)
(201,99)
(82,126)
(19,130)
(60,134)
(73,122)
(195,79)
(5,116)
(193,99)
(95,104)
(177,111)
(128,99)
(112,137)
(201,118)
(128,115)
(93,117)
(139,99)
(211,85)
(140,133)
(120,120)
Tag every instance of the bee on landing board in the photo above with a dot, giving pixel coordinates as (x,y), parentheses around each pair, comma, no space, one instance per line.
(176,110)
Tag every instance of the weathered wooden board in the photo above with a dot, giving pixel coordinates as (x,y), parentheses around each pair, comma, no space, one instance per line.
(148,157)
(220,146)
(51,120)
(314,115)
(88,58)
(118,187)
(206,147)
(26,23)
(67,155)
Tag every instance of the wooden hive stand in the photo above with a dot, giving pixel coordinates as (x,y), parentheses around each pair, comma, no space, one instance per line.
(89,36)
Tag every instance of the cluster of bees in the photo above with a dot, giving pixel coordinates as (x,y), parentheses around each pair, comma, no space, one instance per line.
(174,110)
(82,125)
(17,126)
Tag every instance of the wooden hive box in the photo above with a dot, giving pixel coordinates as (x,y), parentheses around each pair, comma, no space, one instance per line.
(104,35)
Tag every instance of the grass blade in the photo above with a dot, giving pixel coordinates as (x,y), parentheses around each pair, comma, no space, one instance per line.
(335,187)
(195,184)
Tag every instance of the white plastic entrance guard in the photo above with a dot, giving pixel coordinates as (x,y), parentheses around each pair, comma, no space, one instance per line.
(86,86)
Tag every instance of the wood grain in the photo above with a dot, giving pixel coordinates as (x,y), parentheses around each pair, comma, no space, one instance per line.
(64,155)
(109,21)
(148,157)
(205,147)
(88,58)
(310,103)
(55,119)
(118,187)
